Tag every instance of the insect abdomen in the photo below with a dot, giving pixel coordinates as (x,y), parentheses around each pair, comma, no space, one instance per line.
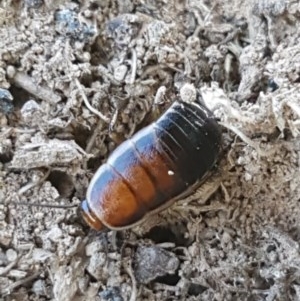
(157,164)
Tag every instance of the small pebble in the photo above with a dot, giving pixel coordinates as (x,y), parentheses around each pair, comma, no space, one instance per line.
(11,255)
(6,101)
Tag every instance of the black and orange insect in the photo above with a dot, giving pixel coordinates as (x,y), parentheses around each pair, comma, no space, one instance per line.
(160,164)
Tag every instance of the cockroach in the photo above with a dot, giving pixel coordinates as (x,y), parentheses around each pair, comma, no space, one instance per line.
(158,165)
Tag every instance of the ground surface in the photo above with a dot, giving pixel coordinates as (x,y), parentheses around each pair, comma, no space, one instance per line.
(76,79)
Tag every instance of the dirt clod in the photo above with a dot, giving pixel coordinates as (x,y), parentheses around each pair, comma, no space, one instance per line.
(152,262)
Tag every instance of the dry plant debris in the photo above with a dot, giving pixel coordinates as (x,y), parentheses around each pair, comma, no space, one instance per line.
(152,262)
(77,77)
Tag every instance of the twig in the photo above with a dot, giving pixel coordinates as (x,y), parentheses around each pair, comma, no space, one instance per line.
(10,288)
(231,35)
(27,187)
(32,184)
(179,71)
(26,82)
(42,205)
(235,49)
(261,152)
(113,120)
(9,267)
(128,269)
(92,139)
(133,66)
(88,105)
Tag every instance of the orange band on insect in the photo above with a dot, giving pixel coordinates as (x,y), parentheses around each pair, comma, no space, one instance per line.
(156,166)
